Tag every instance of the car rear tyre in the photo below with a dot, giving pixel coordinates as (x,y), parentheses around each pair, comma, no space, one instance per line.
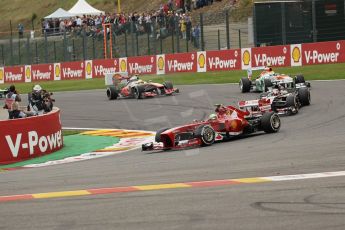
(245,85)
(304,96)
(206,133)
(270,122)
(111,93)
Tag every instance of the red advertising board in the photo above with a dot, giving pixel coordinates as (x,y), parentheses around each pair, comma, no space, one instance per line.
(72,70)
(141,65)
(42,72)
(278,56)
(181,62)
(14,74)
(223,60)
(22,139)
(100,67)
(323,52)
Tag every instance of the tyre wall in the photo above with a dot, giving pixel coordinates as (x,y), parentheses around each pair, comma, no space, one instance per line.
(22,139)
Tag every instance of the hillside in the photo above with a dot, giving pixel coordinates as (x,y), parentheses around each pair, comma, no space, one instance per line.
(22,11)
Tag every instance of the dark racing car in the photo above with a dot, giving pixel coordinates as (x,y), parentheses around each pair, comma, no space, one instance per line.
(281,100)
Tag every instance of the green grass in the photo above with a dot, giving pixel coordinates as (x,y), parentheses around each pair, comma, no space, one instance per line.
(70,132)
(315,72)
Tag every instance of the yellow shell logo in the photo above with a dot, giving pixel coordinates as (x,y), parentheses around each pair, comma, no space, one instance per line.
(160,63)
(88,68)
(28,73)
(123,66)
(296,54)
(1,74)
(57,71)
(201,61)
(246,57)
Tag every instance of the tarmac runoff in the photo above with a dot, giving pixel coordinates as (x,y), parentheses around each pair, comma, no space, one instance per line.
(185,185)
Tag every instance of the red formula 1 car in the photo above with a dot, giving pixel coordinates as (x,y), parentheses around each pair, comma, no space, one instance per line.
(226,122)
(133,87)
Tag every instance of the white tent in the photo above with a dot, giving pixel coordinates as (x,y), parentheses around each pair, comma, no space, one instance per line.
(60,13)
(82,7)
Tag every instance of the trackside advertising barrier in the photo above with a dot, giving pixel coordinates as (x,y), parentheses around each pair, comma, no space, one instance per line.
(323,53)
(22,139)
(202,61)
(14,74)
(72,70)
(182,62)
(142,65)
(223,60)
(42,72)
(101,67)
(278,56)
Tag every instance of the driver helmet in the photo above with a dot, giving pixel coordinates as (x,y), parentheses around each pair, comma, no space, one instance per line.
(212,117)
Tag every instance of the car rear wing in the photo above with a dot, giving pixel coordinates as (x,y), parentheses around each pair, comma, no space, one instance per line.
(248,104)
(255,107)
(250,70)
(115,78)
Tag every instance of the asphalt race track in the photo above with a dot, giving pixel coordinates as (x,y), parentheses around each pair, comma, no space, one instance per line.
(310,142)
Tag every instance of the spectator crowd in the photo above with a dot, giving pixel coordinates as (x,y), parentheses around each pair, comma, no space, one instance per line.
(171,18)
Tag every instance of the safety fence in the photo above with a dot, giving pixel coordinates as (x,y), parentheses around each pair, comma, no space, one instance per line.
(204,31)
(200,61)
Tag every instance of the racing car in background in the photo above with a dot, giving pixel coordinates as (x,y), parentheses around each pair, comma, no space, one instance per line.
(281,98)
(267,78)
(122,86)
(226,122)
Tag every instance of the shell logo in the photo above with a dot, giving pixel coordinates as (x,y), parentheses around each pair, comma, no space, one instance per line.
(28,73)
(1,74)
(246,57)
(296,54)
(201,60)
(160,63)
(88,68)
(57,71)
(123,66)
